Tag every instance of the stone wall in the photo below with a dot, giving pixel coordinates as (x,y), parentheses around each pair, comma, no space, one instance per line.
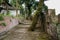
(51,24)
(10,24)
(51,15)
(52,31)
(59,18)
(58,27)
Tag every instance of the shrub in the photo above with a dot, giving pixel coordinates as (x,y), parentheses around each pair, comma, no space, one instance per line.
(8,13)
(3,24)
(1,18)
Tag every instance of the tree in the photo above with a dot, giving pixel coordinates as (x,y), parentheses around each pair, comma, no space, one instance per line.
(31,4)
(36,17)
(28,6)
(1,1)
(16,7)
(13,2)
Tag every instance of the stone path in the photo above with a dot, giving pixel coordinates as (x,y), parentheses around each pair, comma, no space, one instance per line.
(21,32)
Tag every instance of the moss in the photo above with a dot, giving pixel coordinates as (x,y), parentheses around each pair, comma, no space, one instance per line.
(43,36)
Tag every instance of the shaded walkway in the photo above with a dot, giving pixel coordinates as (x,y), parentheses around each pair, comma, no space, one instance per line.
(20,33)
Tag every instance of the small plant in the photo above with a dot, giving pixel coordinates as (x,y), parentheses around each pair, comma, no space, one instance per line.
(8,13)
(1,18)
(3,24)
(12,16)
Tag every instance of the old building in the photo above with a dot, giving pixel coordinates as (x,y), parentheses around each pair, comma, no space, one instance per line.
(52,15)
(58,18)
(6,7)
(51,25)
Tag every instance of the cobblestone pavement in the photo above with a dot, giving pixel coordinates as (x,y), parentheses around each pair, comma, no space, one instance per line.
(20,33)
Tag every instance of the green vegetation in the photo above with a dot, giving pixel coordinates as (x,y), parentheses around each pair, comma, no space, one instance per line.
(1,17)
(3,24)
(43,37)
(39,15)
(1,1)
(8,13)
(27,7)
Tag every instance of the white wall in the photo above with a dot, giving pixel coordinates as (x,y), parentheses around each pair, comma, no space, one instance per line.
(13,12)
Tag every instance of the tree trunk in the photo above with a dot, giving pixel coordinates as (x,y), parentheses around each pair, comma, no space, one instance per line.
(16,8)
(7,9)
(35,19)
(33,25)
